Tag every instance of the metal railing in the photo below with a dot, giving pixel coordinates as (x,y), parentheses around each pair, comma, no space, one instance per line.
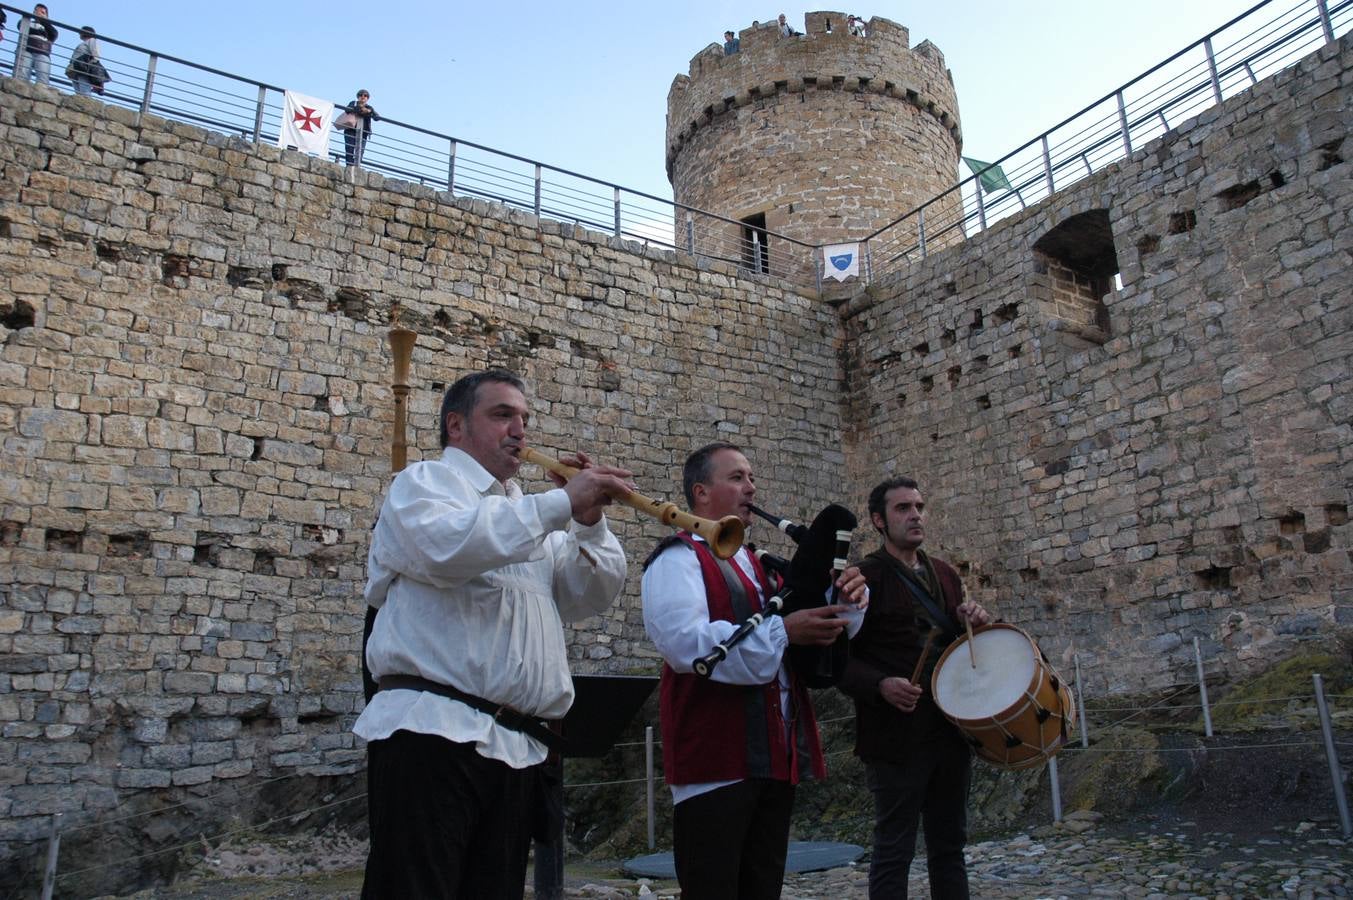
(180,90)
(1259,42)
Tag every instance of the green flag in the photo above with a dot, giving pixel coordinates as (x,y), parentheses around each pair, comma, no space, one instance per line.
(990,176)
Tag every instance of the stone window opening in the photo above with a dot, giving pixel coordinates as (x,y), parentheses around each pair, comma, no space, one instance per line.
(1075,269)
(755,249)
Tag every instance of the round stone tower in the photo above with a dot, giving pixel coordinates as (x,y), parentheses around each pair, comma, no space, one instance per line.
(823,137)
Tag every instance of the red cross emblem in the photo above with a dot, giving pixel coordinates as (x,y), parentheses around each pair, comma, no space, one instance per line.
(307,118)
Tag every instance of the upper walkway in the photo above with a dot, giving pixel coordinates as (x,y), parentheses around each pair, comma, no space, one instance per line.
(1261,41)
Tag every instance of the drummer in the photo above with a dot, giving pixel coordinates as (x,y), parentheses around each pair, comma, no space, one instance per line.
(917,764)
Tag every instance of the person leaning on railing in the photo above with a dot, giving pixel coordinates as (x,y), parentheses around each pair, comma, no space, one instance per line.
(356,124)
(85,71)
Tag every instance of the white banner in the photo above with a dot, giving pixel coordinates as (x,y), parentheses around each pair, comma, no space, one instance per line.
(841,261)
(305,123)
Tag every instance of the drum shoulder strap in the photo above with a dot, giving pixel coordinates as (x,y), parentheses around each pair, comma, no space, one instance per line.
(934,612)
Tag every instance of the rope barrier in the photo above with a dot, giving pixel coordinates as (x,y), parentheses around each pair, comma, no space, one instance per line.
(203,840)
(1070,748)
(586,784)
(1216,703)
(155,812)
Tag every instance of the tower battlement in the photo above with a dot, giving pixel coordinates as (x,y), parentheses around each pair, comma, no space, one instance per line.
(821,136)
(824,57)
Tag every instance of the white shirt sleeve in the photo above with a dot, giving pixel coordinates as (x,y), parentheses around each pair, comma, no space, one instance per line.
(676,618)
(589,570)
(433,532)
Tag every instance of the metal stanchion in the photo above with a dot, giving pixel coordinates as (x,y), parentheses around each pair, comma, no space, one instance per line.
(1056,790)
(1080,703)
(1202,688)
(53,849)
(1336,771)
(648,772)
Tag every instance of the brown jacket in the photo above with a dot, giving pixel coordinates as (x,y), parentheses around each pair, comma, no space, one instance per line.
(889,643)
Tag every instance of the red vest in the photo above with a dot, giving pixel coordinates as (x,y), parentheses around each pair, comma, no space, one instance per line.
(721,732)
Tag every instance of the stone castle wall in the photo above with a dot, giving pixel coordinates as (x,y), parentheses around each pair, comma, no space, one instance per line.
(196,423)
(829,135)
(195,420)
(1178,462)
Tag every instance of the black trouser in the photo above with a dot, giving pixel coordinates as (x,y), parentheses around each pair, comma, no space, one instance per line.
(731,842)
(932,786)
(448,822)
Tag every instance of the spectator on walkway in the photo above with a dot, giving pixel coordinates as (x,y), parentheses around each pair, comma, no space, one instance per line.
(85,71)
(785,29)
(731,43)
(355,137)
(2,24)
(36,36)
(855,26)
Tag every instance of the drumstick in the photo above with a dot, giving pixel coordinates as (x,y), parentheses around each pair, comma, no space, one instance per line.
(925,652)
(972,654)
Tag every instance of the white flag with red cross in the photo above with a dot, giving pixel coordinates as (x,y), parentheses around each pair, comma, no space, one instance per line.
(305,123)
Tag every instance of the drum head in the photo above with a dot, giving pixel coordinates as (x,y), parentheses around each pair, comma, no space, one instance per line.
(1005,671)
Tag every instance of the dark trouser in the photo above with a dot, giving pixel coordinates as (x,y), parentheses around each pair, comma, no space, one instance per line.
(354,144)
(932,785)
(731,842)
(448,822)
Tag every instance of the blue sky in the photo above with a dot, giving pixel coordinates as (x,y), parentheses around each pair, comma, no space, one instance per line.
(583,85)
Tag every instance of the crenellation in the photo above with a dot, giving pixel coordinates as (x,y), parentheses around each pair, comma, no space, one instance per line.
(801,106)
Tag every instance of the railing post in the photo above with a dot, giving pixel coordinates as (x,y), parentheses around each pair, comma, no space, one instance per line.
(617,212)
(258,113)
(1080,704)
(1047,166)
(537,205)
(451,170)
(1202,688)
(18,54)
(690,233)
(1336,773)
(1328,26)
(1056,785)
(920,229)
(1123,124)
(648,777)
(1212,69)
(53,849)
(981,207)
(757,252)
(868,263)
(150,84)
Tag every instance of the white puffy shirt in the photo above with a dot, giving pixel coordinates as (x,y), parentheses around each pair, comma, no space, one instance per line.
(474,581)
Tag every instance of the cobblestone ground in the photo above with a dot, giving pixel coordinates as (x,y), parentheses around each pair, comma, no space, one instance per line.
(1084,861)
(1078,858)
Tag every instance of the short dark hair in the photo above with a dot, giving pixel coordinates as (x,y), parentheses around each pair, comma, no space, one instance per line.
(87,32)
(461,396)
(696,470)
(878,497)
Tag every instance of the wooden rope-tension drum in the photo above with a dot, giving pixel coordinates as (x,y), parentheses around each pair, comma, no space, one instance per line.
(1004,696)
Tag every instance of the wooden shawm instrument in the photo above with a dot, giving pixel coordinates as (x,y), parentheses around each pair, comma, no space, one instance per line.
(724,535)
